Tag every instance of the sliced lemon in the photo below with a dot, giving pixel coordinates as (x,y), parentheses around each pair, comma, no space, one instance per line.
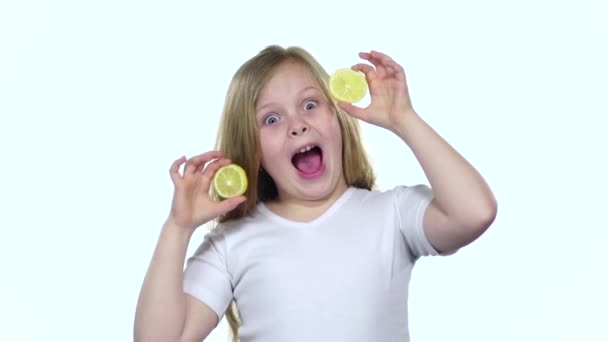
(230,181)
(348,85)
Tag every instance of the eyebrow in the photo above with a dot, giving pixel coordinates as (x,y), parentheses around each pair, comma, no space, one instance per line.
(303,90)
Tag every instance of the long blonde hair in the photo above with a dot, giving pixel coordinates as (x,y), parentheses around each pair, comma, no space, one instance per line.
(239,141)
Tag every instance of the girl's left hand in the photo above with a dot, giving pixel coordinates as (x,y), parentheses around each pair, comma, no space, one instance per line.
(390,100)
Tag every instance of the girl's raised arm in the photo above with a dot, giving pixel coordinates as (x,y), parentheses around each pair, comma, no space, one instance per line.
(164,312)
(463,206)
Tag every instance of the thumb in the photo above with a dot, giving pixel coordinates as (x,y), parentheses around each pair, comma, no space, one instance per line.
(353,110)
(231,203)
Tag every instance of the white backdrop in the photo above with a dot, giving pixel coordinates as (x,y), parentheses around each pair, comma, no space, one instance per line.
(98,98)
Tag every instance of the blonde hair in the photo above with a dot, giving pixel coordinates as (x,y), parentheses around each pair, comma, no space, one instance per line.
(239,141)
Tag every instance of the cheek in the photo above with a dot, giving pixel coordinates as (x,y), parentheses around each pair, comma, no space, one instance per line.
(336,135)
(269,147)
(334,127)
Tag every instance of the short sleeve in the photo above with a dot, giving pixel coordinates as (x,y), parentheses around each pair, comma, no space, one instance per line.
(411,203)
(206,276)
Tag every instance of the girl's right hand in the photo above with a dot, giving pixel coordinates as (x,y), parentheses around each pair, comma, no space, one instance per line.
(192,205)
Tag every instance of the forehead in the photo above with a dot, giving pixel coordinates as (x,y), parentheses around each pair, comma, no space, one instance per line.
(288,78)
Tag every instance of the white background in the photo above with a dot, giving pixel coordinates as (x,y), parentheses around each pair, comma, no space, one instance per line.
(98,98)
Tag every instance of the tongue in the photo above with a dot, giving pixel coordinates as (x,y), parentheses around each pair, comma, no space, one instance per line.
(308,162)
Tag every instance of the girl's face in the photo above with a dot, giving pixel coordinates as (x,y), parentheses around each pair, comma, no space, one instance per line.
(300,137)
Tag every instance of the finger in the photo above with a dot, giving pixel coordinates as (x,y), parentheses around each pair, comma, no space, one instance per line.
(381,56)
(368,70)
(386,63)
(203,166)
(174,169)
(211,169)
(396,71)
(195,162)
(393,67)
(354,111)
(230,203)
(368,57)
(374,60)
(364,55)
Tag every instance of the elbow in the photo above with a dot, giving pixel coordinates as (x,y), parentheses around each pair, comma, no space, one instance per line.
(484,216)
(475,221)
(491,211)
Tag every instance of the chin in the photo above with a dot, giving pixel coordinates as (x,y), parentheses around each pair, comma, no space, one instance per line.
(318,189)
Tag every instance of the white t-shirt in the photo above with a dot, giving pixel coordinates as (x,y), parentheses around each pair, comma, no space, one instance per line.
(342,277)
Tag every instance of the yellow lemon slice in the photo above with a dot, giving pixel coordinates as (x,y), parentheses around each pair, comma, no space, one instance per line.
(230,181)
(348,85)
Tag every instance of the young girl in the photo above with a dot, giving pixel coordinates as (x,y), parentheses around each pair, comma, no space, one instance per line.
(311,252)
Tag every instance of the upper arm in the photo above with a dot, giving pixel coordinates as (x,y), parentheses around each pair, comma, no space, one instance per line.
(446,234)
(200,320)
(207,288)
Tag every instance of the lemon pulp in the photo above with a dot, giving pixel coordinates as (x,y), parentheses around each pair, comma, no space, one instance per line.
(348,85)
(230,181)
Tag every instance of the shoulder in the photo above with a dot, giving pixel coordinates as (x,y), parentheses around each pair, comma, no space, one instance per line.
(233,227)
(227,231)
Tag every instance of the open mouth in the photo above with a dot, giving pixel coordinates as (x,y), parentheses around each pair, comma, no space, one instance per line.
(308,160)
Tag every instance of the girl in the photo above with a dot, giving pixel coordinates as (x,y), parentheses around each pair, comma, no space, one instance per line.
(312,252)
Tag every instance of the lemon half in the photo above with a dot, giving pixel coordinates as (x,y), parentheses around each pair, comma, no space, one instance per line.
(230,181)
(348,85)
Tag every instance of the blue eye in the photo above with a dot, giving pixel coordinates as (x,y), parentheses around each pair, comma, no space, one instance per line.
(271,119)
(310,105)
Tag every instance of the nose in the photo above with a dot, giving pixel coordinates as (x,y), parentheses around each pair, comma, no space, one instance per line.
(298,128)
